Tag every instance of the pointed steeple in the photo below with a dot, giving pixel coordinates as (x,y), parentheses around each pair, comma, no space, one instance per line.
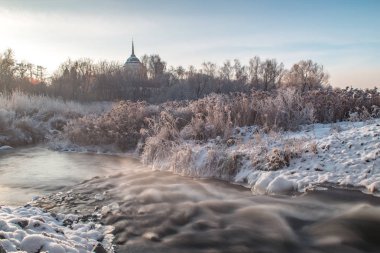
(132,59)
(133,49)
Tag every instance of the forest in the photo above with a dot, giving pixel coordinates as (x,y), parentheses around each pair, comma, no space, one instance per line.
(86,80)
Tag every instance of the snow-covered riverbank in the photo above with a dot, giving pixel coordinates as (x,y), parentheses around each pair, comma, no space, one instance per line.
(346,154)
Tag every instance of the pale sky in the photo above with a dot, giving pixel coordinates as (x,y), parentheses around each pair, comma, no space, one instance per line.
(342,35)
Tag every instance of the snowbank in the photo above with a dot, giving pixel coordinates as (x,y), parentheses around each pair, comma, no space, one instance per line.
(346,154)
(30,229)
(350,157)
(2,148)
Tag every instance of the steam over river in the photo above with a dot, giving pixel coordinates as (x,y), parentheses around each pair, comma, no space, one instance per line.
(160,212)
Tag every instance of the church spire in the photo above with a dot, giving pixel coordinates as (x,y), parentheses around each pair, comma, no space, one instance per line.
(133,48)
(132,59)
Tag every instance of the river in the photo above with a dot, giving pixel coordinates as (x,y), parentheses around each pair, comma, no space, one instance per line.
(29,172)
(156,211)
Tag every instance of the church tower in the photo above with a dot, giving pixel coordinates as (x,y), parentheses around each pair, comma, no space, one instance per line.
(132,60)
(133,67)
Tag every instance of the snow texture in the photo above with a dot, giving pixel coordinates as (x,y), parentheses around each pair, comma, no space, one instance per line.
(350,157)
(31,229)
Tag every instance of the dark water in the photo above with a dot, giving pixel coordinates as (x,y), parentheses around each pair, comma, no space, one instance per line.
(162,212)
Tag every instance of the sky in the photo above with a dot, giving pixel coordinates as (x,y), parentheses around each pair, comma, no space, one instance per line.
(342,35)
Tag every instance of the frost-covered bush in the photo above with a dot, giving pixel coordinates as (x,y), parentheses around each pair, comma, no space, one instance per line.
(6,118)
(163,136)
(27,119)
(31,104)
(216,115)
(121,126)
(30,119)
(271,151)
(287,110)
(131,123)
(343,104)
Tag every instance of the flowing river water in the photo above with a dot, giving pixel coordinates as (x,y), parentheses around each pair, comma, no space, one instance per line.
(156,211)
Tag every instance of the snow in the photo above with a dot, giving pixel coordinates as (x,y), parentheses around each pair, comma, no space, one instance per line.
(280,185)
(111,208)
(31,229)
(5,148)
(262,183)
(348,157)
(344,153)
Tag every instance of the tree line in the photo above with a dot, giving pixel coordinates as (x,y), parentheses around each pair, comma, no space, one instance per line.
(86,80)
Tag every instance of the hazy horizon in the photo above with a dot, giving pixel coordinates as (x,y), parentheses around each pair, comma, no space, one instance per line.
(341,35)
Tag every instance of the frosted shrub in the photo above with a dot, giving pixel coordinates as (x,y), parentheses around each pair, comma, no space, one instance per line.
(6,118)
(157,150)
(163,137)
(32,131)
(361,114)
(30,104)
(127,124)
(286,111)
(343,104)
(57,123)
(132,123)
(273,152)
(27,119)
(216,115)
(211,117)
(86,131)
(183,160)
(277,158)
(121,126)
(230,165)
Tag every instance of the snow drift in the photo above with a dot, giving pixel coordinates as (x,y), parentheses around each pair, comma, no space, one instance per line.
(30,229)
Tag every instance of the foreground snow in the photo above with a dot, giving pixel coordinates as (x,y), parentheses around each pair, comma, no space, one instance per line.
(30,229)
(348,158)
(346,154)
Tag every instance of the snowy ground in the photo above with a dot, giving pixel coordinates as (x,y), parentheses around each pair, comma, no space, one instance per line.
(346,154)
(30,229)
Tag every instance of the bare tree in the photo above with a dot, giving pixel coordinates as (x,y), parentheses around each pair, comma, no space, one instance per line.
(7,70)
(156,66)
(209,68)
(240,72)
(254,71)
(180,72)
(225,72)
(306,75)
(271,73)
(21,70)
